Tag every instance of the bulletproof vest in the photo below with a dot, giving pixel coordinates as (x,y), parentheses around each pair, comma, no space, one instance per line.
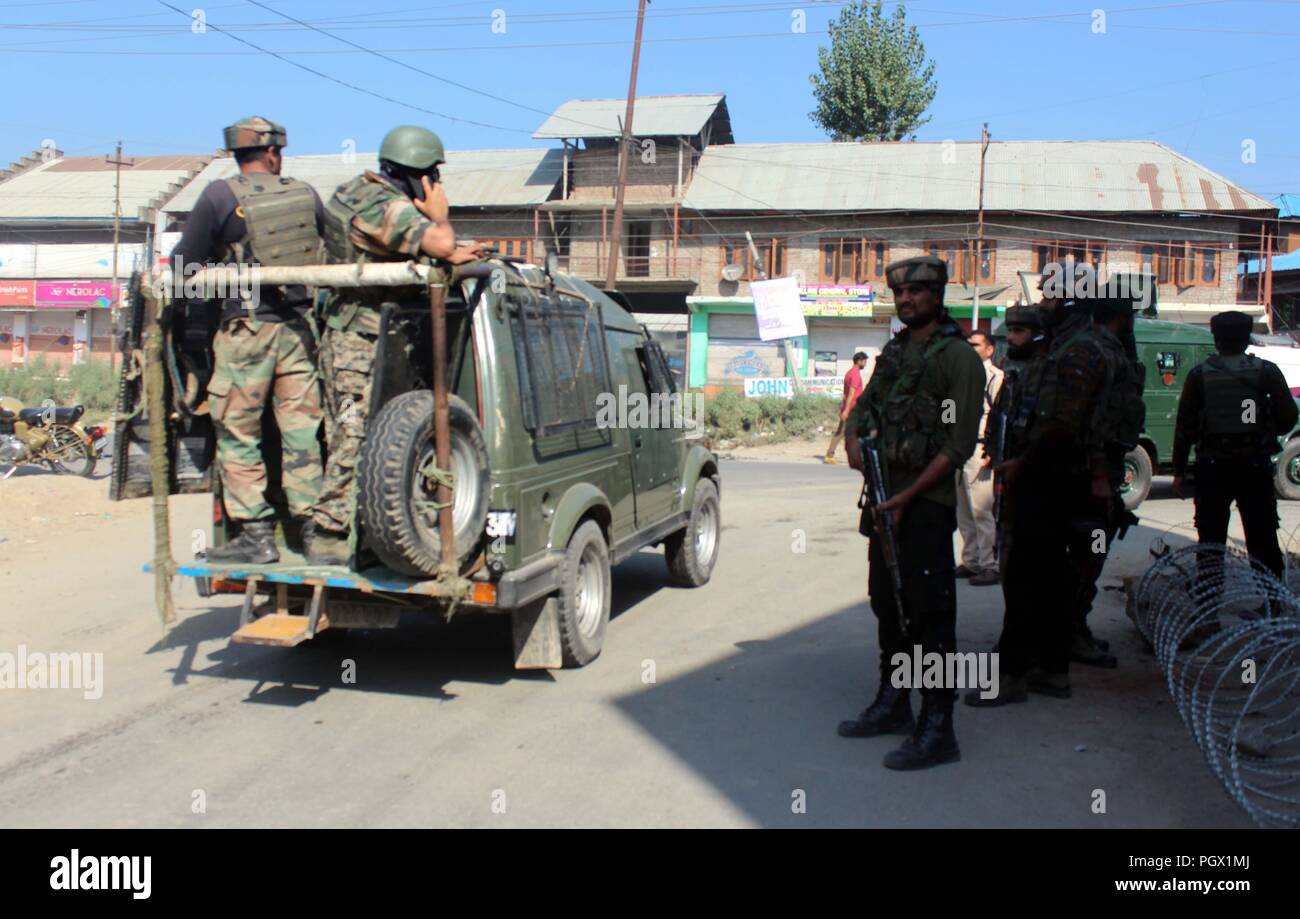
(1236,401)
(1024,403)
(349,200)
(279,219)
(1124,412)
(355,308)
(1075,330)
(908,403)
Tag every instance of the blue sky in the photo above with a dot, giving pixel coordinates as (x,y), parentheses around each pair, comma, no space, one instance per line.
(1202,76)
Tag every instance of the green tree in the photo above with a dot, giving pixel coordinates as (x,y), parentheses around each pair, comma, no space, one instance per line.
(875,81)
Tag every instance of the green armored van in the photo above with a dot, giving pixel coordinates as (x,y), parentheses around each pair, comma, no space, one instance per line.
(570,450)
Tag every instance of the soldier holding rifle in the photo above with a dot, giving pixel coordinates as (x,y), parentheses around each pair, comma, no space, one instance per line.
(919,418)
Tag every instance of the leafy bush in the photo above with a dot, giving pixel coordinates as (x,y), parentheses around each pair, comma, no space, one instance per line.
(90,384)
(730,416)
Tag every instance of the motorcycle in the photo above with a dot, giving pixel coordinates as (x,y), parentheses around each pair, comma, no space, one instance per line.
(47,435)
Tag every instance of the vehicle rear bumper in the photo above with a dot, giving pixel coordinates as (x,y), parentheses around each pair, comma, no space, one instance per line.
(531,582)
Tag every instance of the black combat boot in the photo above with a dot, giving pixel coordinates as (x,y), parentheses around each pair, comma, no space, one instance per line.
(890,713)
(932,742)
(1085,649)
(255,545)
(323,547)
(1010,689)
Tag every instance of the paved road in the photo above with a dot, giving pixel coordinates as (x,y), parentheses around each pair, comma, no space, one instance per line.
(751,673)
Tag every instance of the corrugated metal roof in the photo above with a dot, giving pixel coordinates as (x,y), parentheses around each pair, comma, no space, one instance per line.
(1019,176)
(57,190)
(473,178)
(655,116)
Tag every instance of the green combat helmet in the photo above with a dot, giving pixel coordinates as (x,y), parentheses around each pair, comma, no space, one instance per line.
(413,147)
(255,132)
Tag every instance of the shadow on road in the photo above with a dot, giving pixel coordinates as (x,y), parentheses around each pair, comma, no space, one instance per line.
(419,658)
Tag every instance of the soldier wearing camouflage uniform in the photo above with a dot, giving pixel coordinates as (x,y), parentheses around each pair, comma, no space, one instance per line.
(1122,421)
(924,402)
(263,350)
(398,214)
(1062,490)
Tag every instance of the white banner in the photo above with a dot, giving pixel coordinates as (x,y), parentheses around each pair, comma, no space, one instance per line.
(779,311)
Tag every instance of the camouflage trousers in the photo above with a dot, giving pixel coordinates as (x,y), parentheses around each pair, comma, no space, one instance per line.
(347,364)
(256,361)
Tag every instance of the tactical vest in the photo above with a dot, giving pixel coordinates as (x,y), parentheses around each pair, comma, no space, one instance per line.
(1234,392)
(1024,404)
(910,413)
(1124,413)
(344,309)
(349,200)
(279,219)
(1092,433)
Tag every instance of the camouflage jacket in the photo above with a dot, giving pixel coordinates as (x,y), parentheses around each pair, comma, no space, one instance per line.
(927,399)
(1068,427)
(369,219)
(1119,425)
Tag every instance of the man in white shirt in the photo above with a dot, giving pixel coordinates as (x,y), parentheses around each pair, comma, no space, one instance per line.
(975,484)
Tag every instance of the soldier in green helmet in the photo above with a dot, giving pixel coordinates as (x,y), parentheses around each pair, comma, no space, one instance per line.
(263,352)
(400,213)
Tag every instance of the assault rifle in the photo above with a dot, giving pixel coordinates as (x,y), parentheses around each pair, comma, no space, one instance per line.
(874,494)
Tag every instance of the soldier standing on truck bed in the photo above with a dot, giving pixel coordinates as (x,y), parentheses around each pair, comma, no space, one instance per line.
(1233,409)
(1063,494)
(263,350)
(398,214)
(924,403)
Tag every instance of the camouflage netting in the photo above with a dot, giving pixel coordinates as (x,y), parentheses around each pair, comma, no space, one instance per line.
(1226,633)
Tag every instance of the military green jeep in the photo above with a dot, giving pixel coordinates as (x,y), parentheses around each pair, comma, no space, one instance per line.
(570,451)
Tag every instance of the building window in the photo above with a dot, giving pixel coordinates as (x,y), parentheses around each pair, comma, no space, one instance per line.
(1203,264)
(771,254)
(512,248)
(1080,251)
(853,261)
(959,256)
(1183,264)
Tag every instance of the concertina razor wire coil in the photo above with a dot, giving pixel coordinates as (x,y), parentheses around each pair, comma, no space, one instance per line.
(1226,633)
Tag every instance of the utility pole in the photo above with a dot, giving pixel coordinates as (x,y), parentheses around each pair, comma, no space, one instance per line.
(113,306)
(611,273)
(979,239)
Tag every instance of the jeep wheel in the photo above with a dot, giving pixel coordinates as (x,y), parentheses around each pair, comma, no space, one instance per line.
(1286,472)
(692,551)
(1137,478)
(395,499)
(584,597)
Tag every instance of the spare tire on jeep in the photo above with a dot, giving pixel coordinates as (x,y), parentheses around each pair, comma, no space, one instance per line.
(396,491)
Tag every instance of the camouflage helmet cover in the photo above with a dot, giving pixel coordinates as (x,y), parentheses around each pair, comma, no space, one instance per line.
(924,269)
(413,147)
(255,132)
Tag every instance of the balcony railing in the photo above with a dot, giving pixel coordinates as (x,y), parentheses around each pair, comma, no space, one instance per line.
(638,267)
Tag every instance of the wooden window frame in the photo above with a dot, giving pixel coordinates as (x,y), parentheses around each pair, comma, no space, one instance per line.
(773,250)
(1181,263)
(502,245)
(1094,251)
(963,254)
(865,264)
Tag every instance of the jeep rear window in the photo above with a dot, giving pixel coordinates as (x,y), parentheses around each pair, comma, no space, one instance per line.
(562,364)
